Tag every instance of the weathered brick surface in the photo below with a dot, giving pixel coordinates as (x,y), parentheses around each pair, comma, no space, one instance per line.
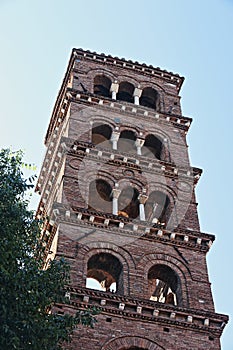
(65,182)
(122,333)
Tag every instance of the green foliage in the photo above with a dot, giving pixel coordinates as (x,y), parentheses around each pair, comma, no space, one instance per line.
(26,291)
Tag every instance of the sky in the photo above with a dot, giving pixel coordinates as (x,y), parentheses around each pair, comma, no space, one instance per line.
(192,38)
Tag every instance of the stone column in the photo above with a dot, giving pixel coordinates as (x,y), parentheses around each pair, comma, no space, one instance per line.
(114,90)
(142,200)
(115,137)
(115,195)
(137,94)
(139,143)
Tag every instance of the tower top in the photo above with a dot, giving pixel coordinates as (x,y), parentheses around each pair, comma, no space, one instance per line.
(142,68)
(171,82)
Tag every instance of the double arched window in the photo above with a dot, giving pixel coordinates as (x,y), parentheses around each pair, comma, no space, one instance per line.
(126,141)
(126,91)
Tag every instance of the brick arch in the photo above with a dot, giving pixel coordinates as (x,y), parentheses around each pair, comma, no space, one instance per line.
(92,175)
(163,187)
(124,343)
(162,132)
(144,84)
(102,119)
(137,184)
(102,175)
(99,71)
(129,127)
(160,90)
(165,134)
(85,252)
(175,264)
(128,79)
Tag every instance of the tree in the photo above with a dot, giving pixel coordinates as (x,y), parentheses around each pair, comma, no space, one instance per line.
(27,291)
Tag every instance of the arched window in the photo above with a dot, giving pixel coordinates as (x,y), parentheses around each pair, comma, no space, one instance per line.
(105,272)
(149,98)
(100,196)
(126,142)
(102,86)
(125,92)
(164,285)
(157,207)
(128,204)
(101,134)
(152,147)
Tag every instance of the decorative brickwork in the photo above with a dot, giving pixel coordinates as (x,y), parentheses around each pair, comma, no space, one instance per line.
(119,192)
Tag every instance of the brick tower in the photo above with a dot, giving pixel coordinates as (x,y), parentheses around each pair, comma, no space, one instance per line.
(119,192)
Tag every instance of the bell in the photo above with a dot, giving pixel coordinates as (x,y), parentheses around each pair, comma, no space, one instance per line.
(123,213)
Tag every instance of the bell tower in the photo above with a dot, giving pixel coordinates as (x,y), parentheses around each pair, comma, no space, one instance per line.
(119,192)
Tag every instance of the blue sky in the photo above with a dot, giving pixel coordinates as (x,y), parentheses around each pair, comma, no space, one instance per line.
(192,38)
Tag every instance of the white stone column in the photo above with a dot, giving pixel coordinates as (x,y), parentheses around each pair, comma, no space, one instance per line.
(137,94)
(139,143)
(155,220)
(115,195)
(115,137)
(114,90)
(142,200)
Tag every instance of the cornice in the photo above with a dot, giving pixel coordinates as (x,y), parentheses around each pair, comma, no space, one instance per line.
(114,224)
(148,311)
(141,68)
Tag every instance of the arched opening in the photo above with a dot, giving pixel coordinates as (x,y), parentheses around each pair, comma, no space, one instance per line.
(105,272)
(164,285)
(126,142)
(100,196)
(101,134)
(102,86)
(157,208)
(149,98)
(128,203)
(125,92)
(152,147)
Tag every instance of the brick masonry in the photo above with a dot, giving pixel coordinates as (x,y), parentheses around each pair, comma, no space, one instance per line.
(79,233)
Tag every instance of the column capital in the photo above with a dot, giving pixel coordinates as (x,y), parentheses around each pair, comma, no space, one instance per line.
(116,193)
(142,198)
(137,92)
(115,135)
(139,142)
(114,87)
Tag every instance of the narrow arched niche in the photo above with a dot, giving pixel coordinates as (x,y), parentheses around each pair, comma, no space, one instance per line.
(101,134)
(152,147)
(157,208)
(102,85)
(107,271)
(164,285)
(128,203)
(126,142)
(149,98)
(100,196)
(125,92)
